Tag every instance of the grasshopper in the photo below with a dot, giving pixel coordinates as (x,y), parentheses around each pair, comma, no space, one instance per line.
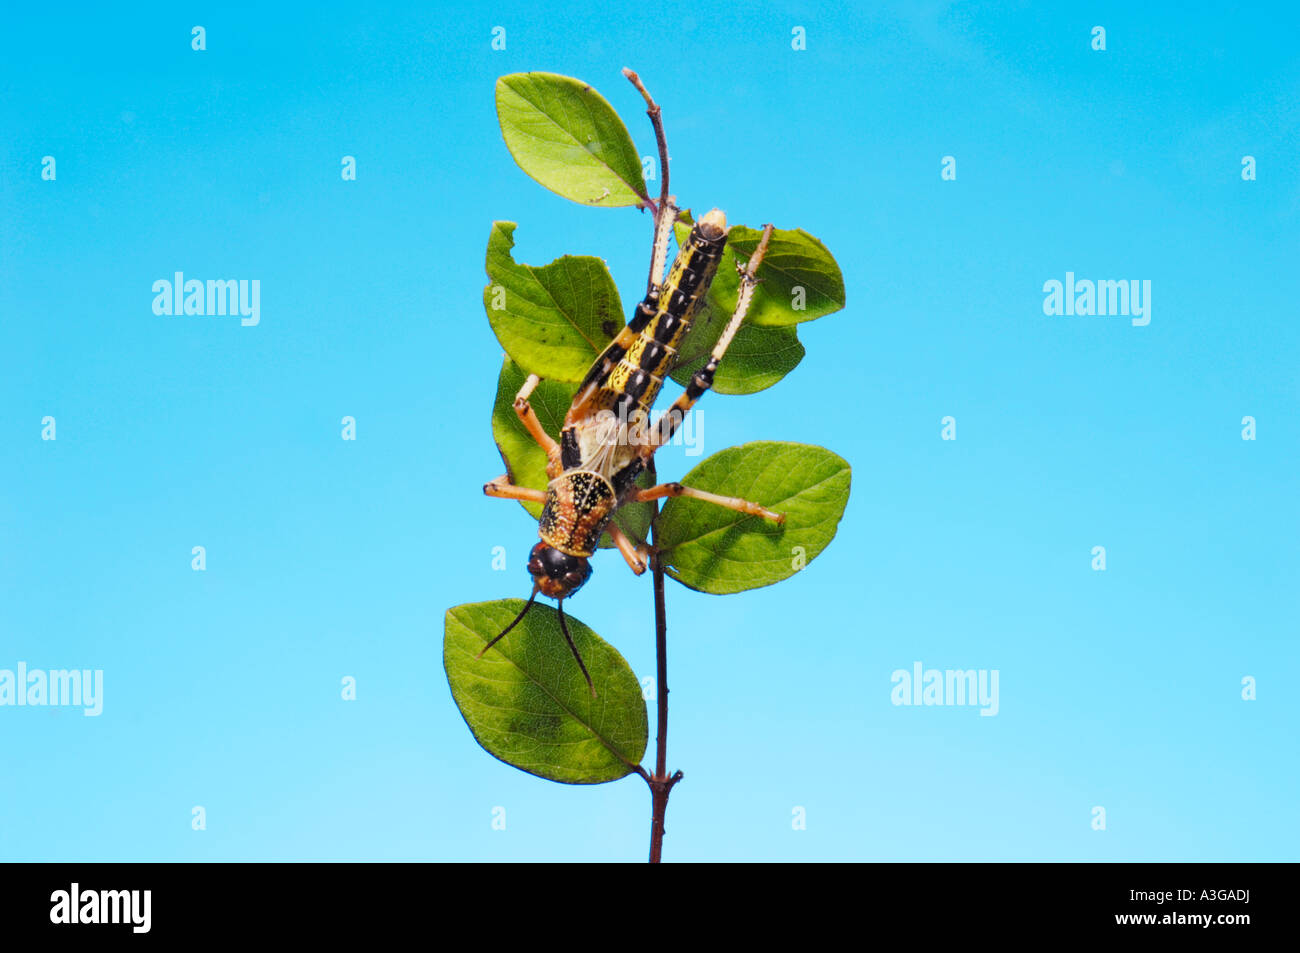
(607,439)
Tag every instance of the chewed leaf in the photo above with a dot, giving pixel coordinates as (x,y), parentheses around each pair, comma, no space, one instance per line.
(553,320)
(527,703)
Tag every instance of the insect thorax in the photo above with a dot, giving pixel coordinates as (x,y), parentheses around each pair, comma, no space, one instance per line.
(578,505)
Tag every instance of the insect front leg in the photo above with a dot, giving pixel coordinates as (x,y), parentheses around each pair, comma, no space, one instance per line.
(503,489)
(702,380)
(730,502)
(528,417)
(636,556)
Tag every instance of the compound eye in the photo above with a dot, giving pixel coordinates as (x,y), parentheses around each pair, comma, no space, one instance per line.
(573,578)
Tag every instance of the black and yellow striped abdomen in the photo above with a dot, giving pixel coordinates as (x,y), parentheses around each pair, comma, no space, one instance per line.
(631,371)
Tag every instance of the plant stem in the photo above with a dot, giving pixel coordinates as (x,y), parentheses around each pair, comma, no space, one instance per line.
(655,113)
(660,783)
(661,666)
(665,213)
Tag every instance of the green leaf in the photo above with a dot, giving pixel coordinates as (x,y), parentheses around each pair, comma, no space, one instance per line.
(633,518)
(757,358)
(794,260)
(526,462)
(527,703)
(714,549)
(553,320)
(566,136)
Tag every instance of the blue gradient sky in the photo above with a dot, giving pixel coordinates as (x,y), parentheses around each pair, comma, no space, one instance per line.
(328,558)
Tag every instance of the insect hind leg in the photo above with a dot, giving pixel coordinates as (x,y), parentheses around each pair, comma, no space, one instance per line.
(702,380)
(528,417)
(747,507)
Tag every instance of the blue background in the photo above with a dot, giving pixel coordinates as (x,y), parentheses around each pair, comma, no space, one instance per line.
(328,558)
